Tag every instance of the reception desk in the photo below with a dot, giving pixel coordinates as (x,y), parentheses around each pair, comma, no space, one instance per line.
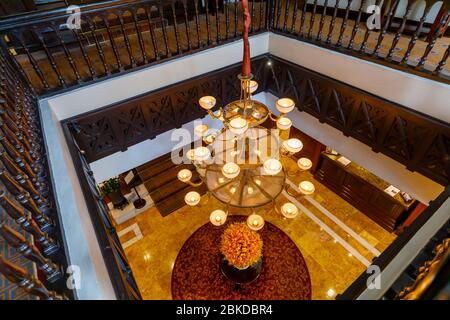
(363,190)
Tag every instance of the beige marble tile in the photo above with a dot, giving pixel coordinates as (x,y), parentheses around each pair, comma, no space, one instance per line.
(329,263)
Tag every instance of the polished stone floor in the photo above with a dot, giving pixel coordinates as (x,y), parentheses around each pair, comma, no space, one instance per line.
(337,248)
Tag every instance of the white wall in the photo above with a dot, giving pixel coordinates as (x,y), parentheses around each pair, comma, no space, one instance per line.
(421,94)
(82,247)
(130,85)
(146,151)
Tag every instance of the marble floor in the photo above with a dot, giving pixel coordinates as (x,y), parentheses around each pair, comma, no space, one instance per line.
(337,241)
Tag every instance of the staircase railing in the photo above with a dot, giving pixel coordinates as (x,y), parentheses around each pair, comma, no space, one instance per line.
(30,234)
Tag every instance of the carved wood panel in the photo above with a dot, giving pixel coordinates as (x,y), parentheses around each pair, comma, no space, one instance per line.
(418,141)
(119,126)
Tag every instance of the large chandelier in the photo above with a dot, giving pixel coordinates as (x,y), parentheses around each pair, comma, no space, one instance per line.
(240,164)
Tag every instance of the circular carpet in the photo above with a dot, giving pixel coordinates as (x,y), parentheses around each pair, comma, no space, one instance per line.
(197,276)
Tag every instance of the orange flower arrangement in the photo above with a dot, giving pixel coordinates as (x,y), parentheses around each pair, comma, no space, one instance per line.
(241,246)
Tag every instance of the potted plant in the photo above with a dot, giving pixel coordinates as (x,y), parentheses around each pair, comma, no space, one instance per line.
(111,189)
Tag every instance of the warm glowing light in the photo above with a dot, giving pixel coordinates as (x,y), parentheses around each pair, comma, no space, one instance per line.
(233,190)
(284,123)
(191,155)
(221,180)
(249,190)
(207,102)
(304,164)
(253,86)
(201,130)
(306,187)
(285,105)
(210,138)
(272,167)
(238,125)
(184,175)
(231,170)
(192,198)
(255,222)
(258,182)
(218,217)
(202,154)
(331,293)
(289,210)
(293,145)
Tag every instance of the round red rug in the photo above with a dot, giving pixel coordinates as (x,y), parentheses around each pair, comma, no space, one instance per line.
(197,276)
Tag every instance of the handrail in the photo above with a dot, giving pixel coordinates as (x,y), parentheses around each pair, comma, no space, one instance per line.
(116,263)
(382,261)
(425,286)
(61,59)
(149,31)
(27,196)
(40,16)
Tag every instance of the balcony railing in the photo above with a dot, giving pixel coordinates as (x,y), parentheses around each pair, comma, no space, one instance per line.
(114,39)
(117,37)
(399,41)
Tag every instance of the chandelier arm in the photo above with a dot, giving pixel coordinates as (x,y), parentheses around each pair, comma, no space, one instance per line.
(212,115)
(273,117)
(288,187)
(275,208)
(193,184)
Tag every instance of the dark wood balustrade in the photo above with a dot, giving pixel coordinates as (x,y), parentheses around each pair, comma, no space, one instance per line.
(25,193)
(30,223)
(414,46)
(120,36)
(418,141)
(116,262)
(115,38)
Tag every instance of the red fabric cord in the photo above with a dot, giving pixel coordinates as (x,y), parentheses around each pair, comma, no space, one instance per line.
(246,67)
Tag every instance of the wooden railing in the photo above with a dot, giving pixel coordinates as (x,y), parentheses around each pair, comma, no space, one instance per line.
(29,228)
(120,36)
(30,225)
(114,256)
(341,25)
(433,277)
(113,39)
